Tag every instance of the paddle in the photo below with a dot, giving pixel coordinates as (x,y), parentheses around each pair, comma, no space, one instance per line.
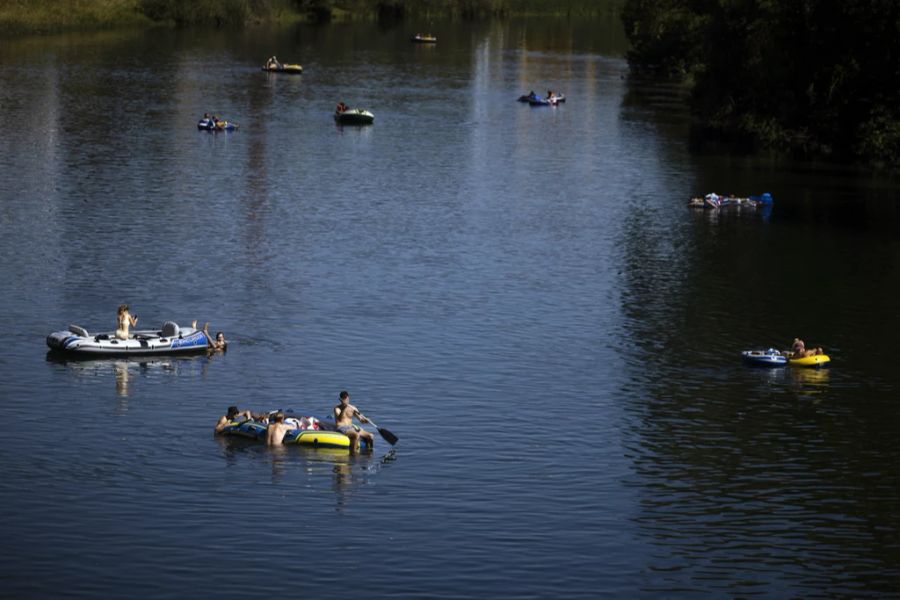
(389,437)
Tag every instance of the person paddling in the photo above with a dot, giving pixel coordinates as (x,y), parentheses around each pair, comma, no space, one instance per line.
(343,419)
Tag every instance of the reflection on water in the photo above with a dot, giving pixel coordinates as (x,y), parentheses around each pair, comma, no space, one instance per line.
(290,463)
(121,378)
(124,370)
(812,383)
(715,216)
(358,470)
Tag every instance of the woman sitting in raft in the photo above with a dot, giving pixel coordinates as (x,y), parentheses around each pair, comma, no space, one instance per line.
(798,349)
(124,320)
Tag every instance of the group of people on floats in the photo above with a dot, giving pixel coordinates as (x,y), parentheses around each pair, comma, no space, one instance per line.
(713,200)
(551,95)
(125,321)
(214,121)
(277,424)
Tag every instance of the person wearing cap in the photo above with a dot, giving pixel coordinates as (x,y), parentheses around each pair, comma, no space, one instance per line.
(343,419)
(232,414)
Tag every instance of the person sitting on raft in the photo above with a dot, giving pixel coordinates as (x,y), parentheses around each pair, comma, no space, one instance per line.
(341,107)
(230,416)
(124,320)
(799,350)
(343,418)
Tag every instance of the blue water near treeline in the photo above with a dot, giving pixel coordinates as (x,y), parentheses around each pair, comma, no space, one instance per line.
(520,294)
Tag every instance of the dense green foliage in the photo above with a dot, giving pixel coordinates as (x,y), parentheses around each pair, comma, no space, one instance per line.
(59,15)
(33,16)
(466,9)
(216,12)
(813,75)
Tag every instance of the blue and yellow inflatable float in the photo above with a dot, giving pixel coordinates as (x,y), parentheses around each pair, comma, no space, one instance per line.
(323,436)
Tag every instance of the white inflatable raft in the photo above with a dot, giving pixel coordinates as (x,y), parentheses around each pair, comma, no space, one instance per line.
(171,339)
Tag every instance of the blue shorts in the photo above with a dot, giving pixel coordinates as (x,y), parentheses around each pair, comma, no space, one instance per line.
(346,428)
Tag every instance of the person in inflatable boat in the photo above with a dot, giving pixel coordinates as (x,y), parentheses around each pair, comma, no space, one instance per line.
(233,414)
(798,349)
(343,419)
(124,320)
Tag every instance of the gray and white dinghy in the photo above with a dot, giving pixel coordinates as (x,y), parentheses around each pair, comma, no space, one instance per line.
(170,339)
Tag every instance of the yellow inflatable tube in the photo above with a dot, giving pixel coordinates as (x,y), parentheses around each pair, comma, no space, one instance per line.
(317,438)
(815,361)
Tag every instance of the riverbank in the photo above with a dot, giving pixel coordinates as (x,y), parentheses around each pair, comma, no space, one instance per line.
(815,82)
(22,16)
(26,17)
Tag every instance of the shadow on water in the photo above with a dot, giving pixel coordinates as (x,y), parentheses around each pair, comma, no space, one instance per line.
(740,468)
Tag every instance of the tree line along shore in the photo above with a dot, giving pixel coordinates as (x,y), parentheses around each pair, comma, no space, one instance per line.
(814,78)
(32,16)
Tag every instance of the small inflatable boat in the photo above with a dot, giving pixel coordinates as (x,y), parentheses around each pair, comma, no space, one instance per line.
(713,200)
(764,358)
(214,125)
(283,68)
(310,431)
(354,116)
(170,339)
(424,39)
(816,361)
(551,101)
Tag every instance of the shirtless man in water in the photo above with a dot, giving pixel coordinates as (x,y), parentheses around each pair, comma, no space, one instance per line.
(232,414)
(343,418)
(276,429)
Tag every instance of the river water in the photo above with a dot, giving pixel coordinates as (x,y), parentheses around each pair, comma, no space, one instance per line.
(520,294)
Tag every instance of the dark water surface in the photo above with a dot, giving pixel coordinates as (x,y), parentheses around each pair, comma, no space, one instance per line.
(521,295)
